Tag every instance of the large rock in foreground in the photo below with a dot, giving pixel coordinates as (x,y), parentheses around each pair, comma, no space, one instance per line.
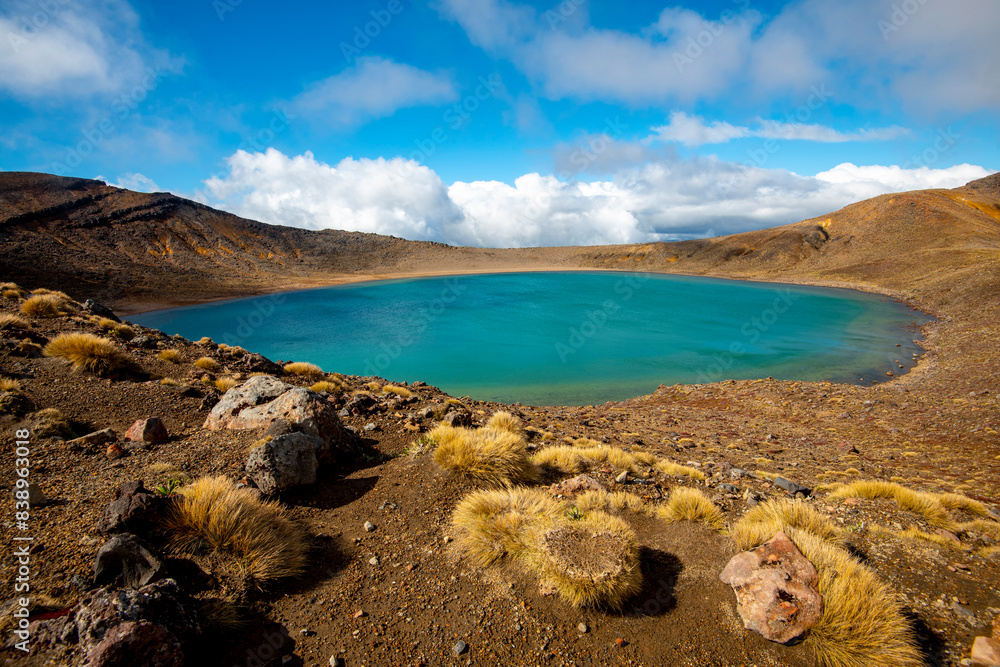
(284,462)
(775,590)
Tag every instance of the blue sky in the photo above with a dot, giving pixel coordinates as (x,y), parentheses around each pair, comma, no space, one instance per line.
(504,123)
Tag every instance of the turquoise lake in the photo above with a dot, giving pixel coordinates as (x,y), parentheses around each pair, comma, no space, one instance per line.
(566,338)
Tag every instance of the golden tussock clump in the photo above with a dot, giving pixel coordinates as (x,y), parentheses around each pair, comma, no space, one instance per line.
(926,504)
(265,544)
(761,523)
(863,622)
(170,382)
(225,384)
(87,352)
(205,341)
(402,392)
(504,421)
(304,369)
(592,561)
(45,305)
(687,504)
(8,321)
(328,387)
(50,423)
(62,296)
(493,524)
(956,501)
(489,455)
(11,294)
(207,364)
(9,384)
(173,356)
(671,468)
(616,501)
(572,460)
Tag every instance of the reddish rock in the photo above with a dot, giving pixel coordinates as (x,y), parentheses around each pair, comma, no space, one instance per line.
(115,451)
(846,448)
(578,484)
(986,652)
(151,430)
(775,589)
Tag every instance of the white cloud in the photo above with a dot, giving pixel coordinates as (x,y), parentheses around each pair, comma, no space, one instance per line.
(373,88)
(74,48)
(137,182)
(669,199)
(694,131)
(937,57)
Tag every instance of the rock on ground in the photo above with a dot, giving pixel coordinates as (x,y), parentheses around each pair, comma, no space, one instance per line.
(284,462)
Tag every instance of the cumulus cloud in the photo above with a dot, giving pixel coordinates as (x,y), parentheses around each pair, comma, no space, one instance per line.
(931,56)
(373,88)
(670,199)
(74,48)
(695,131)
(136,182)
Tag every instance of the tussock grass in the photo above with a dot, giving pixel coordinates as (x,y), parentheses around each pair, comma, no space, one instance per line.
(592,562)
(304,369)
(493,524)
(206,342)
(573,460)
(927,505)
(50,423)
(45,305)
(616,501)
(42,291)
(4,286)
(265,544)
(761,523)
(88,352)
(11,294)
(504,421)
(106,323)
(956,501)
(162,473)
(863,622)
(173,356)
(328,387)
(671,468)
(8,321)
(981,526)
(9,384)
(123,331)
(489,455)
(915,533)
(225,384)
(687,504)
(170,382)
(402,392)
(208,364)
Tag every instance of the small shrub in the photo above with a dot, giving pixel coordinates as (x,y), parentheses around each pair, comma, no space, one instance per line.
(8,321)
(208,364)
(494,457)
(493,524)
(671,468)
(265,544)
(106,323)
(4,286)
(50,423)
(173,356)
(62,296)
(761,523)
(328,387)
(304,369)
(504,421)
(44,305)
(616,501)
(123,331)
(206,342)
(9,384)
(374,387)
(170,382)
(225,384)
(11,294)
(87,353)
(687,504)
(402,392)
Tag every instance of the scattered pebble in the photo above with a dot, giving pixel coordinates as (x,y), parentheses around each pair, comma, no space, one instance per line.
(369,526)
(373,560)
(460,647)
(583,628)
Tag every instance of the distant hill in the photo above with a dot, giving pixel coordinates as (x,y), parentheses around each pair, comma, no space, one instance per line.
(135,250)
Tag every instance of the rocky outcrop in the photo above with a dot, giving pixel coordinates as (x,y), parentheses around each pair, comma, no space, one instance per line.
(151,430)
(127,560)
(284,462)
(775,590)
(134,509)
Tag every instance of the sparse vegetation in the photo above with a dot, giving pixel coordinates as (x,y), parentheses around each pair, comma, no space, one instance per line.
(9,384)
(50,423)
(208,364)
(170,382)
(328,387)
(572,460)
(688,504)
(616,501)
(761,523)
(173,356)
(8,321)
(491,456)
(671,468)
(304,369)
(402,392)
(225,384)
(88,352)
(927,505)
(492,524)
(206,342)
(44,305)
(265,544)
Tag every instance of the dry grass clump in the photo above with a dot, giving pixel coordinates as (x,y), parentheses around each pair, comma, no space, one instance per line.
(207,364)
(9,384)
(45,305)
(206,341)
(402,392)
(992,528)
(492,456)
(616,501)
(170,382)
(687,504)
(328,387)
(956,501)
(572,460)
(162,473)
(914,533)
(761,523)
(671,468)
(8,321)
(504,421)
(926,504)
(493,524)
(123,331)
(592,562)
(173,356)
(264,542)
(863,622)
(304,369)
(51,292)
(225,384)
(11,293)
(88,352)
(50,423)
